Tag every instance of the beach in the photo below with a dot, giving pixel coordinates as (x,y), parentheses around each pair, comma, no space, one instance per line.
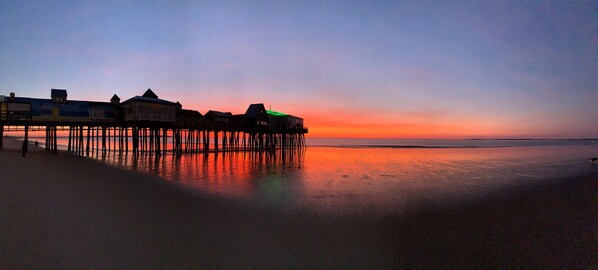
(70,212)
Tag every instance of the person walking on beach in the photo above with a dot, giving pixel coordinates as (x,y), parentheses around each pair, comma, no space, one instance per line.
(24,148)
(35,143)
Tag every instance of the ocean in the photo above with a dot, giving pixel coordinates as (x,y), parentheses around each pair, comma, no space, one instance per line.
(342,176)
(365,176)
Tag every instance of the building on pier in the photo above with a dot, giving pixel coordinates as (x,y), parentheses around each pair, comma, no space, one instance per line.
(282,122)
(11,109)
(102,111)
(58,95)
(189,118)
(58,108)
(149,122)
(256,118)
(219,120)
(149,108)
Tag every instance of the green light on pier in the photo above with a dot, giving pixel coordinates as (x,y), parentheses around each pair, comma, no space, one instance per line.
(275,113)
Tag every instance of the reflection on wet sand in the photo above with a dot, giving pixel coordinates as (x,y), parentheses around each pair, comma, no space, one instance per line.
(362,180)
(238,174)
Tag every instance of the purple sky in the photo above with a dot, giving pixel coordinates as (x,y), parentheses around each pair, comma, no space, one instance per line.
(350,68)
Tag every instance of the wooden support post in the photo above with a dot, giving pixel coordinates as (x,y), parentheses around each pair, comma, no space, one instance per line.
(77,141)
(114,139)
(151,140)
(143,139)
(164,140)
(216,140)
(87,148)
(146,139)
(199,140)
(180,141)
(191,140)
(157,131)
(80,140)
(55,140)
(80,150)
(174,142)
(120,139)
(103,140)
(68,148)
(26,139)
(235,140)
(46,142)
(92,139)
(97,136)
(139,140)
(74,139)
(51,134)
(134,140)
(206,144)
(51,139)
(224,140)
(126,140)
(186,140)
(109,146)
(110,139)
(175,146)
(159,140)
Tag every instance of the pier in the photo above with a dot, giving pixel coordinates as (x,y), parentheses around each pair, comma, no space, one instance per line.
(146,125)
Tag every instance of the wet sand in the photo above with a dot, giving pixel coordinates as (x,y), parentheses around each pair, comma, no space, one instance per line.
(69,212)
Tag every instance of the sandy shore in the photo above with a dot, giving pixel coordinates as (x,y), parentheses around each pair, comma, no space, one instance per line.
(69,212)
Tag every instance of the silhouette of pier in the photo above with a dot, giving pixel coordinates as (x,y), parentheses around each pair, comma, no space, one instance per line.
(147,124)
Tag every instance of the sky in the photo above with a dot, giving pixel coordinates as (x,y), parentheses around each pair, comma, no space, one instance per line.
(397,69)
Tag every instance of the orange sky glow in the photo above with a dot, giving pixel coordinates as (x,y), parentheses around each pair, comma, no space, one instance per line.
(388,69)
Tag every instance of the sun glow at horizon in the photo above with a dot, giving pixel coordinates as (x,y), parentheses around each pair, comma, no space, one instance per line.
(404,69)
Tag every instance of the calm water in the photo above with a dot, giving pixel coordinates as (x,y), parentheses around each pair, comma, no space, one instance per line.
(352,176)
(343,176)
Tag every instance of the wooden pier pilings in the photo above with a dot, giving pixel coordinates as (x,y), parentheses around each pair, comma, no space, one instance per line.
(90,139)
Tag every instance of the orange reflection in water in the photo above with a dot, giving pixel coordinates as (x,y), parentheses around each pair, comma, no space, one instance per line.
(237,174)
(391,179)
(349,180)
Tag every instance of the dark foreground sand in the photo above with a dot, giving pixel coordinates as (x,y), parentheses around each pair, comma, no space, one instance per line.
(68,212)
